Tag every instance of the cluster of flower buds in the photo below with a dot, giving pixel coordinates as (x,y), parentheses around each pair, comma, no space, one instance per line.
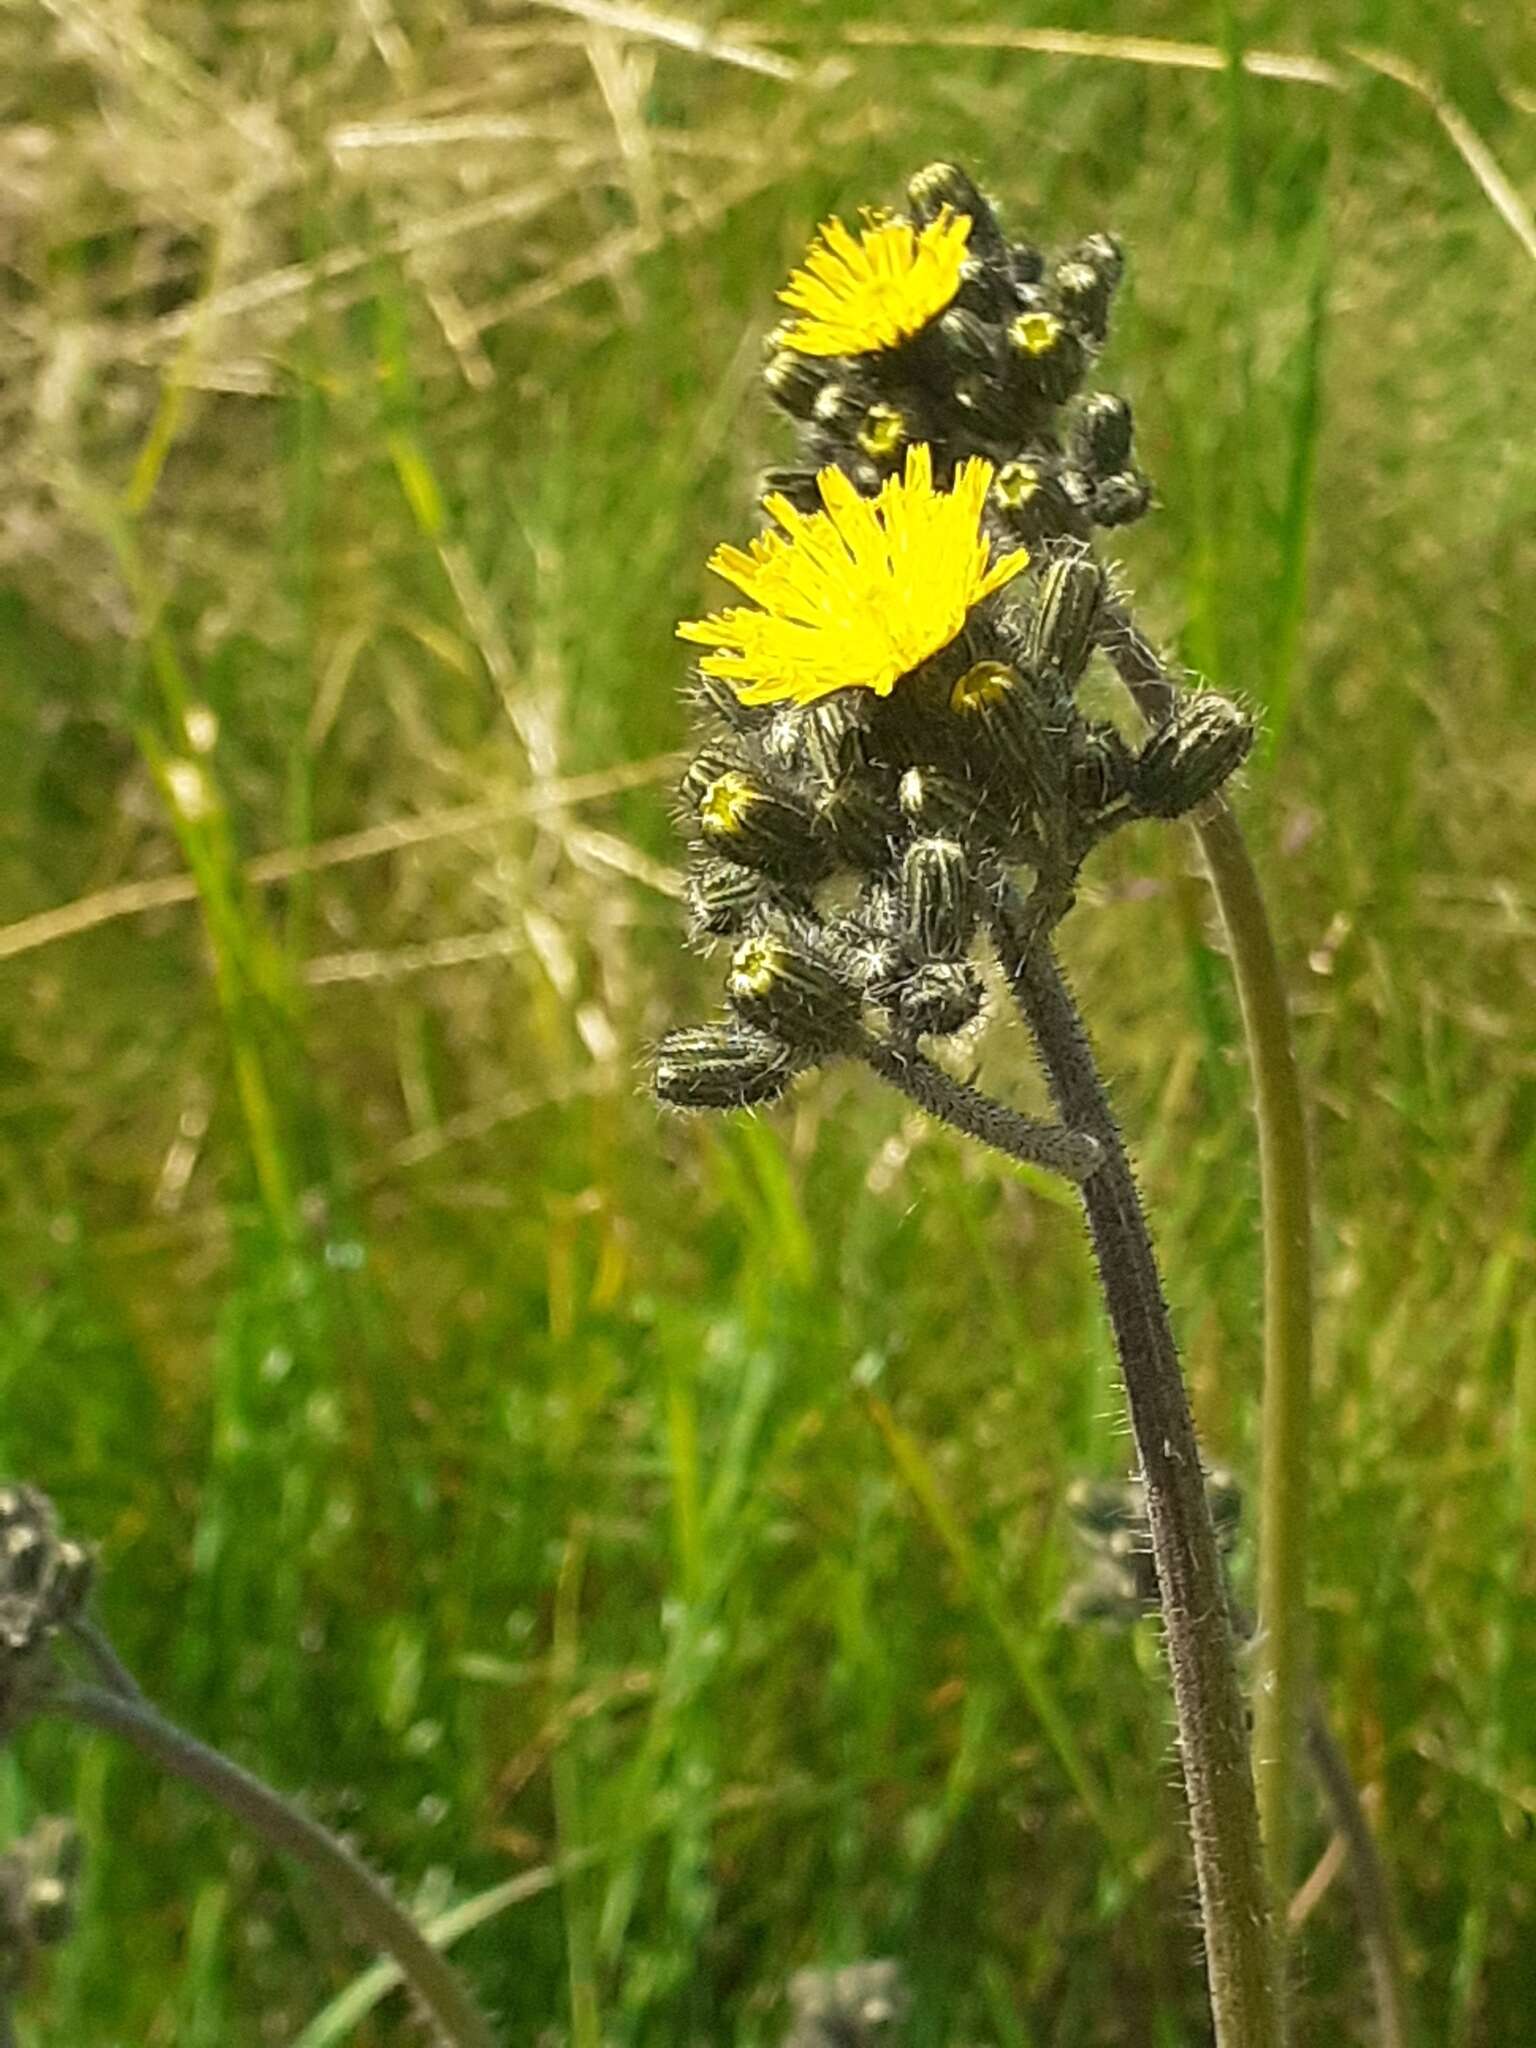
(899,724)
(998,372)
(44,1580)
(859,2006)
(39,1876)
(1118,1584)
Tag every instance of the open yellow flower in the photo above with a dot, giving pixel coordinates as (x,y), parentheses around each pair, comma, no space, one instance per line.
(856,596)
(856,294)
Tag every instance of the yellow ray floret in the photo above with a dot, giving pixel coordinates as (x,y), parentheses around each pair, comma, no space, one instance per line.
(855,597)
(870,291)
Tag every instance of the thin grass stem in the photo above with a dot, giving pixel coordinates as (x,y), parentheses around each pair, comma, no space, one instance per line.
(1281,1662)
(1375,1896)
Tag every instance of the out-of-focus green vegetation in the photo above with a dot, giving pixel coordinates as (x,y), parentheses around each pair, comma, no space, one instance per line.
(499,1463)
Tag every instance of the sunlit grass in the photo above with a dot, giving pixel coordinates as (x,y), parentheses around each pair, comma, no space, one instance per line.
(415,354)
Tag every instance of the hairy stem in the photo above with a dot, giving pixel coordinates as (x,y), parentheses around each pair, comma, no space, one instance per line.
(1375,1900)
(1070,1153)
(1281,1653)
(458,2021)
(1208,1702)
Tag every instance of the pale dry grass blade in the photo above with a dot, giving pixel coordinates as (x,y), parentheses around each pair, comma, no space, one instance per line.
(1160,52)
(1469,145)
(681,35)
(162,892)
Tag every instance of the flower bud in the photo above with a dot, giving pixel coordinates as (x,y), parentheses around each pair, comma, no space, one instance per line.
(1120,499)
(839,410)
(707,766)
(952,806)
(1189,758)
(796,382)
(883,433)
(722,1066)
(44,1579)
(834,736)
(858,2006)
(714,697)
(780,984)
(741,818)
(1101,768)
(1102,253)
(1006,716)
(1084,294)
(1036,500)
(1102,433)
(985,289)
(941,185)
(970,345)
(798,485)
(1107,1594)
(939,997)
(858,818)
(39,1876)
(722,898)
(937,899)
(1066,616)
(1047,358)
(1026,263)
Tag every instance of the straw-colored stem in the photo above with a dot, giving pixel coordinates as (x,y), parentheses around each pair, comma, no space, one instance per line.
(458,2021)
(1281,1667)
(1208,1702)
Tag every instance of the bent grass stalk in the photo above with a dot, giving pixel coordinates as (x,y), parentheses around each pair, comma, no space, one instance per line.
(1280,1653)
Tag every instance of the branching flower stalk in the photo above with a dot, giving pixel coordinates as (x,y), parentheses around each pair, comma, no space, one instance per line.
(894,736)
(44,1583)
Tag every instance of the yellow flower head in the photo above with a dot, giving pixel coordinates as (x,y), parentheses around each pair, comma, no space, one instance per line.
(870,292)
(855,597)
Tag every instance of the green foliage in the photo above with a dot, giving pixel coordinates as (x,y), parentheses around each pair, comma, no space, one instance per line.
(540,1483)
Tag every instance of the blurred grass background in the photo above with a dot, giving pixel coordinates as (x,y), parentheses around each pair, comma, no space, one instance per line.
(498,1463)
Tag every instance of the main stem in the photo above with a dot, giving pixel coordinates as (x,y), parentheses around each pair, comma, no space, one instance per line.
(1281,1663)
(1212,1721)
(457,2019)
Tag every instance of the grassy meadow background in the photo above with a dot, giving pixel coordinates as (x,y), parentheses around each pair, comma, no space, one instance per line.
(667,1514)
